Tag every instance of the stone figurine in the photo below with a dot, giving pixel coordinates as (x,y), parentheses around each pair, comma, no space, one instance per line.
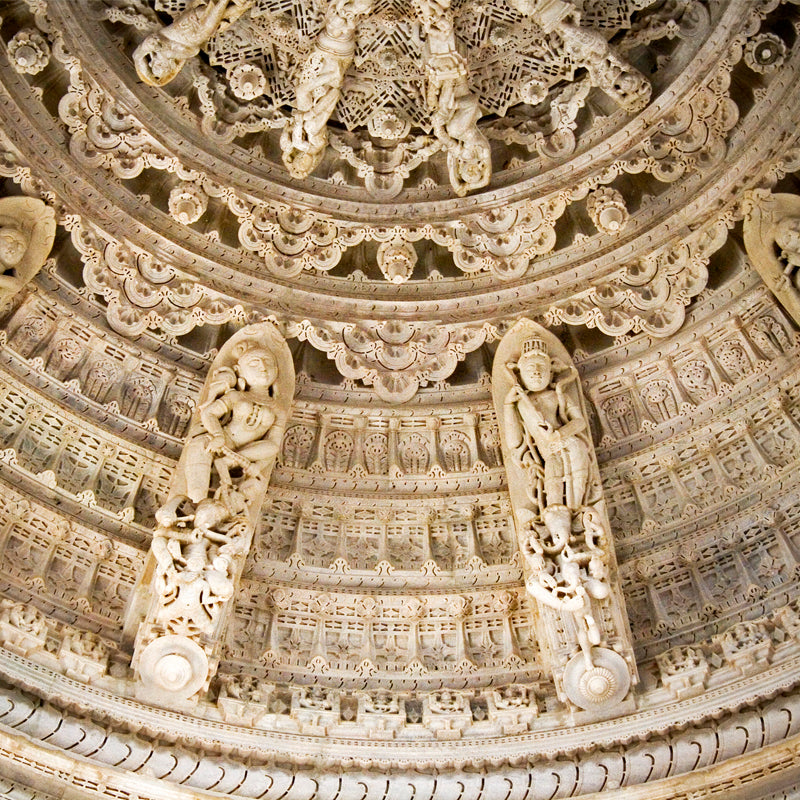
(161,56)
(547,433)
(560,518)
(27,232)
(455,110)
(206,525)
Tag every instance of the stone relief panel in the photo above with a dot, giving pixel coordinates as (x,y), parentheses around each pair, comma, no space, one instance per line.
(560,518)
(205,527)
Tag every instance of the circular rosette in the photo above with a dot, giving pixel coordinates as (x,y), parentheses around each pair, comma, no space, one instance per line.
(174,665)
(599,686)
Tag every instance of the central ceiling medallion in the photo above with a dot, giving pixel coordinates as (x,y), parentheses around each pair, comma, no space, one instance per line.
(398,81)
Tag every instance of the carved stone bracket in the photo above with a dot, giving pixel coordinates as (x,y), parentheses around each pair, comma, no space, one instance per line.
(560,518)
(394,357)
(206,526)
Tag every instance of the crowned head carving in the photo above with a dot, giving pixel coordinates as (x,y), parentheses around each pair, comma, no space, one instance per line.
(255,364)
(535,365)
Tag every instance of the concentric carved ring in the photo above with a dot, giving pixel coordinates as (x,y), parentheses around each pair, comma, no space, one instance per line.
(600,686)
(174,664)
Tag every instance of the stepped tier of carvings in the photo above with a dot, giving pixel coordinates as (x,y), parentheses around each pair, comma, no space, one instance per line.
(700,684)
(711,364)
(139,397)
(415,642)
(344,541)
(73,572)
(171,296)
(66,454)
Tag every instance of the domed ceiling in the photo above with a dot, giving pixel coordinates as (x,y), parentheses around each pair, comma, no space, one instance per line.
(384,190)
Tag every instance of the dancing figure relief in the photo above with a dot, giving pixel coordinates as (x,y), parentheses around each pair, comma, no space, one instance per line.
(206,526)
(236,437)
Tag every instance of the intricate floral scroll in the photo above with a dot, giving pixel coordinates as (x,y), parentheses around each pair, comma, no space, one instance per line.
(206,525)
(560,518)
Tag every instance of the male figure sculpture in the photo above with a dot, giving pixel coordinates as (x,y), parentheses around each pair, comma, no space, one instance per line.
(547,434)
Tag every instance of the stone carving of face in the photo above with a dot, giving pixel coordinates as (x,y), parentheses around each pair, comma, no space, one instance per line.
(474,167)
(535,371)
(787,234)
(13,244)
(158,60)
(257,367)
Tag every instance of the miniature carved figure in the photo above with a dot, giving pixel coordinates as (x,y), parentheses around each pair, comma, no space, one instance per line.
(787,237)
(319,87)
(195,556)
(589,49)
(607,70)
(27,231)
(161,56)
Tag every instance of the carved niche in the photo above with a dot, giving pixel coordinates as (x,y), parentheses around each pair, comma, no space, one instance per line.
(206,525)
(560,519)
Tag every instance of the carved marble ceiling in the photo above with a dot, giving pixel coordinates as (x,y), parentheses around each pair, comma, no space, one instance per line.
(394,185)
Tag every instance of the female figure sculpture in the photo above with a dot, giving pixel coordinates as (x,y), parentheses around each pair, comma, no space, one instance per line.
(547,434)
(237,429)
(206,526)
